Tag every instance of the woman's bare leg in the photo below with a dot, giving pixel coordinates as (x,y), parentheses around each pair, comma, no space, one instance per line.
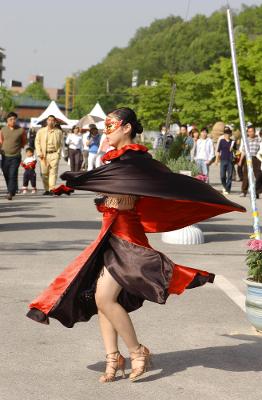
(109,334)
(107,292)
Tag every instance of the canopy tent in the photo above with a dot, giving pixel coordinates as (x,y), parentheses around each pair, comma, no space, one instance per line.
(95,116)
(53,109)
(97,111)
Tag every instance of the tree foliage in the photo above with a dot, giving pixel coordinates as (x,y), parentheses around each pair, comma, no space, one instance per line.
(36,91)
(196,55)
(6,101)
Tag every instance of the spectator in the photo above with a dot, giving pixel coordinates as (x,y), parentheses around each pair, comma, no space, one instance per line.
(195,136)
(48,144)
(85,149)
(93,142)
(103,148)
(204,152)
(254,146)
(259,176)
(29,165)
(225,150)
(189,142)
(12,140)
(159,139)
(31,138)
(75,144)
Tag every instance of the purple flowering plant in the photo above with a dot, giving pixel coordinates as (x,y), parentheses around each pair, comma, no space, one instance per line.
(254,259)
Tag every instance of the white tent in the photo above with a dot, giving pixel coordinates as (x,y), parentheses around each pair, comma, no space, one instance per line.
(98,112)
(53,109)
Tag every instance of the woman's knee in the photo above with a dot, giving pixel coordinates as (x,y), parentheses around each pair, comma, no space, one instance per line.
(103,301)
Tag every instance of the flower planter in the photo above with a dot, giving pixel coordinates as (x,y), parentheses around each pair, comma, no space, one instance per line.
(254,303)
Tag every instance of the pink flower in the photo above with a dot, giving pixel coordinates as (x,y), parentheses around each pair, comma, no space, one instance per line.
(255,245)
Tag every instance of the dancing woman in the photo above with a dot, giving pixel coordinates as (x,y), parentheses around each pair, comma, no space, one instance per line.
(119,270)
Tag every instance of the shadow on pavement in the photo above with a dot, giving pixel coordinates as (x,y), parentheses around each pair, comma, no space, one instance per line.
(44,246)
(213,227)
(225,237)
(39,225)
(244,357)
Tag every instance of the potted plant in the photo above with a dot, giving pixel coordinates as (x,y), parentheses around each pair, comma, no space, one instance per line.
(254,283)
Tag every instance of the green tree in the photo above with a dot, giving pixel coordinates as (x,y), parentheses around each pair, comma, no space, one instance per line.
(7,103)
(36,91)
(250,74)
(194,98)
(150,102)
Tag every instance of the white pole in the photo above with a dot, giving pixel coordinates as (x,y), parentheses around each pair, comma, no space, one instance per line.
(251,177)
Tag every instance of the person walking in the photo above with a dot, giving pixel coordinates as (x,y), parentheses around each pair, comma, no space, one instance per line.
(195,136)
(259,176)
(29,164)
(85,150)
(93,143)
(117,272)
(102,149)
(12,140)
(75,144)
(48,145)
(204,152)
(224,154)
(254,146)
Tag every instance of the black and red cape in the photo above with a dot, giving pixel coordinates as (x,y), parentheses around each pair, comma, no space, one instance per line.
(166,201)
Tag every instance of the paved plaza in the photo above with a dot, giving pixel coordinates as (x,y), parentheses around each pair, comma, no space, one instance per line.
(204,347)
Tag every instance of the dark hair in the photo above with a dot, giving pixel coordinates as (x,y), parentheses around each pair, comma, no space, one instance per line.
(11,114)
(128,116)
(74,127)
(228,130)
(204,129)
(194,130)
(183,126)
(251,127)
(52,116)
(29,149)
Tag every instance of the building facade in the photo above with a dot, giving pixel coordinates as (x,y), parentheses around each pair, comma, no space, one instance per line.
(2,68)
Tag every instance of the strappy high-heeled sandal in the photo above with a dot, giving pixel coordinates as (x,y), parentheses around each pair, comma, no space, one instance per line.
(141,357)
(114,362)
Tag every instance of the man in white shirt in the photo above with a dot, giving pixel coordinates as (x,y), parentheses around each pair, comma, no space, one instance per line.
(204,152)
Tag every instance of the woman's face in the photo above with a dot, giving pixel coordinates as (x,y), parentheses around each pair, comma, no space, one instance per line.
(196,135)
(77,131)
(116,133)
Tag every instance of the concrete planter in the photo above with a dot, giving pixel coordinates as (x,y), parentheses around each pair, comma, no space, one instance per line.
(185,172)
(189,235)
(254,303)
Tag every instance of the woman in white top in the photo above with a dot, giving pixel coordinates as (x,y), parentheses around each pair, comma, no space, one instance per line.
(75,143)
(204,152)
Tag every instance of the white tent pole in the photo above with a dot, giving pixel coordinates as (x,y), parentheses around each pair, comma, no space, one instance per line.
(251,177)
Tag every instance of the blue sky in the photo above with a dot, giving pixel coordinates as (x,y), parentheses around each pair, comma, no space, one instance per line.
(57,38)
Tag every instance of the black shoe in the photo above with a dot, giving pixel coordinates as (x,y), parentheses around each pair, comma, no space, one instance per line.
(46,193)
(9,196)
(257,196)
(243,195)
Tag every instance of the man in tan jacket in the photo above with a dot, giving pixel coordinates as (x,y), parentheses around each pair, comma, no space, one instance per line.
(48,145)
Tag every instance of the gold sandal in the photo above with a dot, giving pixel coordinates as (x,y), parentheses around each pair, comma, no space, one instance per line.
(141,355)
(114,362)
